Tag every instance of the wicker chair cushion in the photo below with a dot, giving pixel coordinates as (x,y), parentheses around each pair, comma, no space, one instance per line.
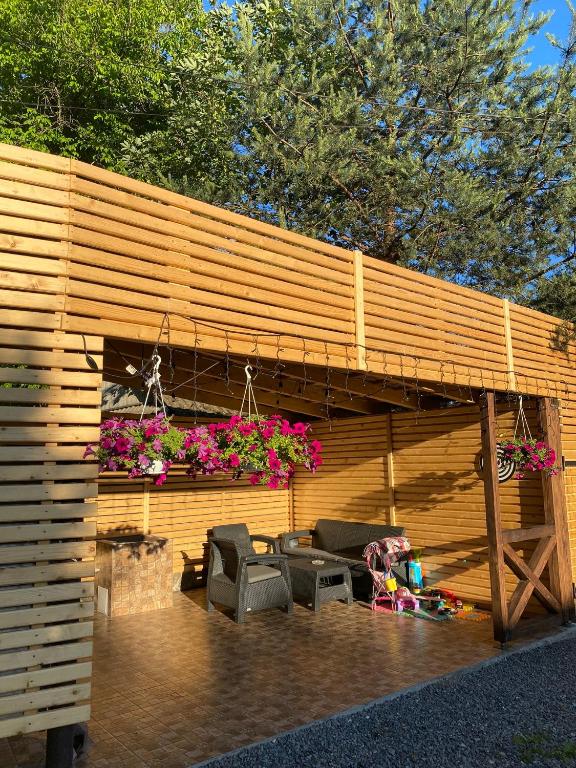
(261,573)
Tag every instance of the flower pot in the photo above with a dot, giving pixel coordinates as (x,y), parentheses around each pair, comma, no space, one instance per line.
(154,468)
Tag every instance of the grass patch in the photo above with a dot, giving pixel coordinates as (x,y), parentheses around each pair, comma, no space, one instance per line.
(539,745)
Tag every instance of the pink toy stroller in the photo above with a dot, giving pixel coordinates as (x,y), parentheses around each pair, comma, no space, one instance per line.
(379,556)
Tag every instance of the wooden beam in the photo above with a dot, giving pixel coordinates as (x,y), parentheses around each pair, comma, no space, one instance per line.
(447,392)
(555,513)
(527,534)
(218,394)
(493,520)
(283,385)
(371,388)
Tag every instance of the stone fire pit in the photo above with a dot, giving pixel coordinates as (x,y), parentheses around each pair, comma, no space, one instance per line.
(133,574)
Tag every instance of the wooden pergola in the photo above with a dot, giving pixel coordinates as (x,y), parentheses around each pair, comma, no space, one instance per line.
(98,270)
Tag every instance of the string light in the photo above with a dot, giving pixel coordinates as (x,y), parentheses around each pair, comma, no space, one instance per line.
(562,387)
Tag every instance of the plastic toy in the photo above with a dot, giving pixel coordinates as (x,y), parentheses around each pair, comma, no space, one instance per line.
(405,600)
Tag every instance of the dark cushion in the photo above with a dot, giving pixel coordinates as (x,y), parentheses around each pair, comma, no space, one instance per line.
(338,535)
(237,532)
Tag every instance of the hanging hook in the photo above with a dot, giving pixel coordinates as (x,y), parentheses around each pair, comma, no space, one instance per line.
(249,394)
(152,382)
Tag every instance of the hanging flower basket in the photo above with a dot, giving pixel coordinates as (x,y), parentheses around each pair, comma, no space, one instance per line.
(529,455)
(146,447)
(267,450)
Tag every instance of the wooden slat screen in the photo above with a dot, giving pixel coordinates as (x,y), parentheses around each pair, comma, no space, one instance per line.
(544,364)
(570,478)
(86,251)
(153,251)
(51,407)
(184,510)
(132,252)
(421,327)
(352,484)
(440,497)
(438,492)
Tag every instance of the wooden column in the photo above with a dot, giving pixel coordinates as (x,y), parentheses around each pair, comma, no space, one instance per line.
(555,513)
(493,520)
(509,347)
(359,322)
(390,468)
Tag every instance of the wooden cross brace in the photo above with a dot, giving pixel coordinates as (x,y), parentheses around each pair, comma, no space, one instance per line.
(529,579)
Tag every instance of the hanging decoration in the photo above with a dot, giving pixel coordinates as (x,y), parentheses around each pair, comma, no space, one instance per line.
(145,447)
(526,452)
(506,467)
(268,450)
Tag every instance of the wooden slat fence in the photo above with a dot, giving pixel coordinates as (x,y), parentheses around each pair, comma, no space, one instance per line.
(439,495)
(423,328)
(132,252)
(86,251)
(437,492)
(184,510)
(50,407)
(352,484)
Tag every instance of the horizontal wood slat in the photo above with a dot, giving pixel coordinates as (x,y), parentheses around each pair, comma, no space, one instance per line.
(51,719)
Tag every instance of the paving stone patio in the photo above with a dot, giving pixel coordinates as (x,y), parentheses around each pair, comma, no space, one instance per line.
(173,687)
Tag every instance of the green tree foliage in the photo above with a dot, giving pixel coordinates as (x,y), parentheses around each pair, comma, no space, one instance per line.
(195,149)
(82,77)
(412,130)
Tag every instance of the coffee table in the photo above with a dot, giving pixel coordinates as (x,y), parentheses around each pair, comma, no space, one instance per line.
(318,583)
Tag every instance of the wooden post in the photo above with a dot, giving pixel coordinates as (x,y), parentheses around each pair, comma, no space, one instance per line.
(60,747)
(359,324)
(509,347)
(493,520)
(146,505)
(291,520)
(555,513)
(390,466)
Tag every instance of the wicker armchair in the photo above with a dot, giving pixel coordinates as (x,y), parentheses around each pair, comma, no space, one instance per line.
(241,579)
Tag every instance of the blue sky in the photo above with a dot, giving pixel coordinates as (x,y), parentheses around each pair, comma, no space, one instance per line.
(558,25)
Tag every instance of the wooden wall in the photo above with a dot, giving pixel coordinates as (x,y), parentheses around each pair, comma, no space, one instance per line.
(422,327)
(133,252)
(352,484)
(85,251)
(569,447)
(439,495)
(437,492)
(184,509)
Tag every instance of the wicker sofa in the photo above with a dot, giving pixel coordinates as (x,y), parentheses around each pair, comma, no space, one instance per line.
(343,542)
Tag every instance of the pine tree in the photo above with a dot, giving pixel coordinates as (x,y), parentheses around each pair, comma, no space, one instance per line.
(414,131)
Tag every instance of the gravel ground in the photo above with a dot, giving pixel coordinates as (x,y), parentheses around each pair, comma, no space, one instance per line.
(517,710)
